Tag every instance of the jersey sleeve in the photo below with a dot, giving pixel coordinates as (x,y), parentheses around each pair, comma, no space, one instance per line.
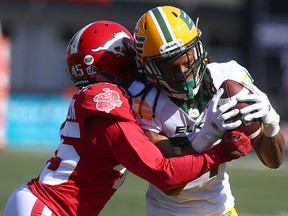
(228,70)
(132,149)
(103,100)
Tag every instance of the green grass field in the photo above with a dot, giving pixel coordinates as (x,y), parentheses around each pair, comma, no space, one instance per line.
(258,190)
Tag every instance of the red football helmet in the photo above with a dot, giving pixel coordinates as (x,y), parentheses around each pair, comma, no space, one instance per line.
(100,52)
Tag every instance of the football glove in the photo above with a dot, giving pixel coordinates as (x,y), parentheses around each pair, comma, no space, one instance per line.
(216,122)
(260,109)
(236,143)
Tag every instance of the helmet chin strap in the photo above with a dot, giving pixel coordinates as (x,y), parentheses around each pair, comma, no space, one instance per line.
(197,80)
(196,90)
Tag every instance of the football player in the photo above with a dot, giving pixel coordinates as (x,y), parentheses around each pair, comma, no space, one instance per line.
(176,108)
(100,138)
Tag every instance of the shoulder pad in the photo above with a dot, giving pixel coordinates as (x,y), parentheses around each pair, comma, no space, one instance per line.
(103,100)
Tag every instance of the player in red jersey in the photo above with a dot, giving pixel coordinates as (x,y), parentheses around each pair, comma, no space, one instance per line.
(101,140)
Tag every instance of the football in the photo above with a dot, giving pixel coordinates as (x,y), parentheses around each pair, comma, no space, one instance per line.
(233,89)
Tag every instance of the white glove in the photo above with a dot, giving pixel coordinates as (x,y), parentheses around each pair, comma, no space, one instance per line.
(216,122)
(260,109)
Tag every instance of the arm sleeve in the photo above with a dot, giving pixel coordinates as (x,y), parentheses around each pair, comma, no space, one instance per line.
(132,148)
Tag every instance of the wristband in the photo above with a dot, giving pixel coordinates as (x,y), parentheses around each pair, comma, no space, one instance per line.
(271,123)
(271,130)
(203,141)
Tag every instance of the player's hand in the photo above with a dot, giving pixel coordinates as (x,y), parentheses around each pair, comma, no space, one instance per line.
(236,143)
(216,122)
(260,109)
(216,119)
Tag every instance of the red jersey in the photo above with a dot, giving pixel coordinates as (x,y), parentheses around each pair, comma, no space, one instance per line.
(100,139)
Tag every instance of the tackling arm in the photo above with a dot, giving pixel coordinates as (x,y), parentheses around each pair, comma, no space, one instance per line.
(234,143)
(162,142)
(127,142)
(164,145)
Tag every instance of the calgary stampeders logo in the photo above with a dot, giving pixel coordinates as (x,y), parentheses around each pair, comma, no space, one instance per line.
(107,101)
(114,45)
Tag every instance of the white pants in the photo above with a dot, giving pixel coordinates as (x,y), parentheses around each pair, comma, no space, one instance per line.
(23,202)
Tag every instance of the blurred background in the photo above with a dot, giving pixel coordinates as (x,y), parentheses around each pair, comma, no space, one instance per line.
(35,89)
(35,33)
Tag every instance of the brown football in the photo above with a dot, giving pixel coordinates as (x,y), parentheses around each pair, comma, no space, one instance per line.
(233,89)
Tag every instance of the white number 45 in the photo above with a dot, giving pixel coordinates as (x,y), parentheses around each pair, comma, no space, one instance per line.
(77,70)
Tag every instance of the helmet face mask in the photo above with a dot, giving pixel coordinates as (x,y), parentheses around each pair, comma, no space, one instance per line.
(157,53)
(100,52)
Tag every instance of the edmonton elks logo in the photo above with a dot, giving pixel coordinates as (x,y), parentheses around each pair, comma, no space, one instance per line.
(107,101)
(114,45)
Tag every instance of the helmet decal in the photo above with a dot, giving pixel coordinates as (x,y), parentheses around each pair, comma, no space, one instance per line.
(108,100)
(88,60)
(160,21)
(187,20)
(139,45)
(113,44)
(91,70)
(76,39)
(163,25)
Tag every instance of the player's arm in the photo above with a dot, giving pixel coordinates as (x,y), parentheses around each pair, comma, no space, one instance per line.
(270,148)
(132,148)
(165,146)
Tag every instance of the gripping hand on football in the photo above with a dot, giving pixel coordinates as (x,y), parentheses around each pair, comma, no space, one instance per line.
(216,122)
(260,109)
